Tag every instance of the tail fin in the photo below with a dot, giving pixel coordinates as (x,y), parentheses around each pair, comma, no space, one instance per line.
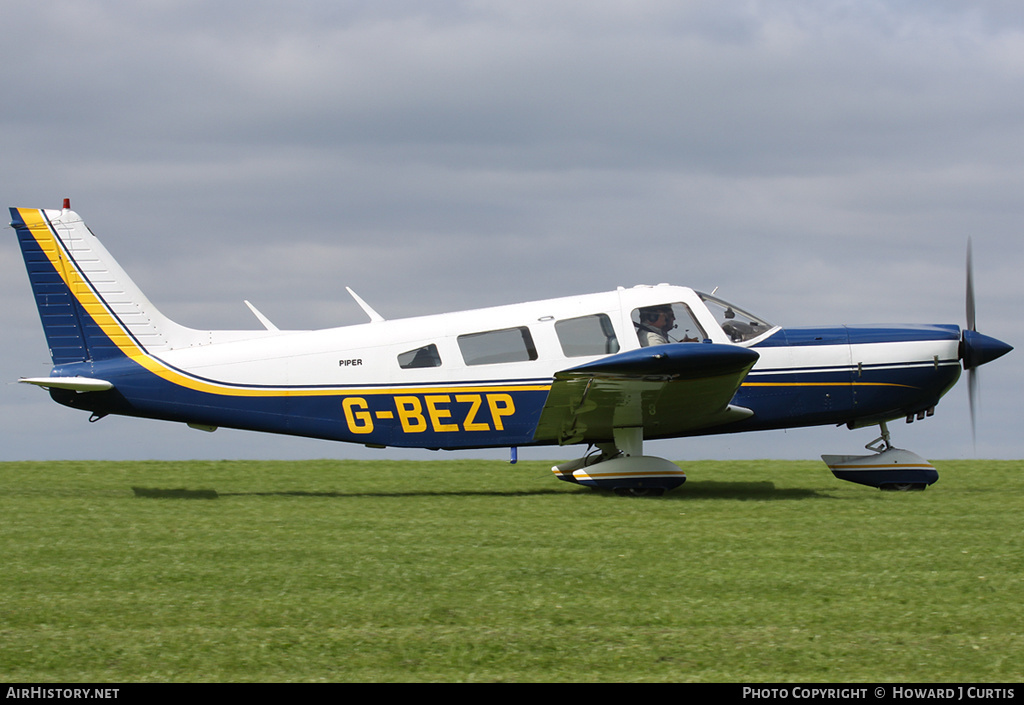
(90,308)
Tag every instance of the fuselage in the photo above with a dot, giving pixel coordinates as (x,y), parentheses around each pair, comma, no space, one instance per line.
(481,378)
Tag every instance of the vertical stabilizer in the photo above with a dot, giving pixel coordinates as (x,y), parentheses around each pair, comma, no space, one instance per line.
(89,307)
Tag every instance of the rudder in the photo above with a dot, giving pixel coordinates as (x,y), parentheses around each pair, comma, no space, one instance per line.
(89,307)
(59,312)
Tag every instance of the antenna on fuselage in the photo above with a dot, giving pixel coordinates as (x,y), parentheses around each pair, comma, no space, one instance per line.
(263,319)
(374,316)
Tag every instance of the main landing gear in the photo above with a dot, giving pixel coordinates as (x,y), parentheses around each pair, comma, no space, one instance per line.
(621,466)
(889,468)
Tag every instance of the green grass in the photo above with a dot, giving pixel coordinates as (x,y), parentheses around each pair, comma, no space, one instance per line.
(467,570)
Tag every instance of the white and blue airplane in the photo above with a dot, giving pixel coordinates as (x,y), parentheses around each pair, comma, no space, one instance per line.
(610,370)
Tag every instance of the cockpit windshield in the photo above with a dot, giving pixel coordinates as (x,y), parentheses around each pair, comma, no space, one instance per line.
(739,325)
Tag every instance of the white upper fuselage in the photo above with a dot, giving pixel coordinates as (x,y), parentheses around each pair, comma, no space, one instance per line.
(368,354)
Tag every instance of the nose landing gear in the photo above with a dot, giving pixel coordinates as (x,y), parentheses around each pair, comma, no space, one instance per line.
(889,468)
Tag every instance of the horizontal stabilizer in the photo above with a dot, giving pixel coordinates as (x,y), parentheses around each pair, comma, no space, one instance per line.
(77,384)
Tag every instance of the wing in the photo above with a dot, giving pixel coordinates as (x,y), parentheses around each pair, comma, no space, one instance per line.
(668,390)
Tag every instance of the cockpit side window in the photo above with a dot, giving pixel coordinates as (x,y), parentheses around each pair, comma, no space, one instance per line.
(587,335)
(739,325)
(427,356)
(666,323)
(496,346)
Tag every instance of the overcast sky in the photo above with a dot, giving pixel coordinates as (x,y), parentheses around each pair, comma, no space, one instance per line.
(819,162)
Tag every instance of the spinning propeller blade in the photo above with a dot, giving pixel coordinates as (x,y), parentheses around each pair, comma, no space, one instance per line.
(971,322)
(976,349)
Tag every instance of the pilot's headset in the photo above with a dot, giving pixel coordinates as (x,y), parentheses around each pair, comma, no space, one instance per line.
(650,315)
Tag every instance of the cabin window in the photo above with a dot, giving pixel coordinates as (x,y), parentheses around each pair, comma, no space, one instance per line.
(587,335)
(666,323)
(427,356)
(496,346)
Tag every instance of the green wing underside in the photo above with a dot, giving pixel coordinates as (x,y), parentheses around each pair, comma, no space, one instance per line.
(667,390)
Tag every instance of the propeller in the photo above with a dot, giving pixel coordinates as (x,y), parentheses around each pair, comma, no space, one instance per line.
(971,321)
(976,349)
(972,325)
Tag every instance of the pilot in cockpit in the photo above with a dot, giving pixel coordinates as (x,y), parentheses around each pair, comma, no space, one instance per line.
(655,323)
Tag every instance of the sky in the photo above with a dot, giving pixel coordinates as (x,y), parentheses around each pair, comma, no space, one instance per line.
(819,162)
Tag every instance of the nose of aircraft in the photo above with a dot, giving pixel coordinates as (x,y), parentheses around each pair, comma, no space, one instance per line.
(977,349)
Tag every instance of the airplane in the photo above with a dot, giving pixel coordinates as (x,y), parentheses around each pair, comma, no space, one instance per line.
(610,370)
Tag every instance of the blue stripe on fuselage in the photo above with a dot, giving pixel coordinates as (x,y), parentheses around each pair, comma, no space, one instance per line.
(859,335)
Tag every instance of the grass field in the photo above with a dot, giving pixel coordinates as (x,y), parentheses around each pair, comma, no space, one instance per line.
(469,570)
